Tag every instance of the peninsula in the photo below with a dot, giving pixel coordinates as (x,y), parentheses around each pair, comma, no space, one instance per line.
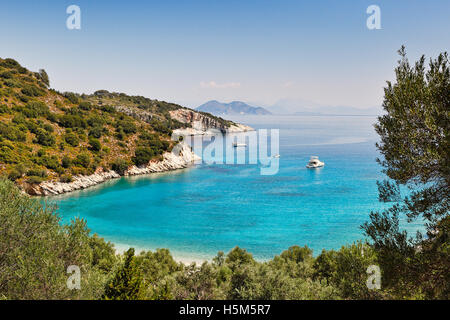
(55,142)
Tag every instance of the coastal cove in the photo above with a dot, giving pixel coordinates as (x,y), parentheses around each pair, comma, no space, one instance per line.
(198,211)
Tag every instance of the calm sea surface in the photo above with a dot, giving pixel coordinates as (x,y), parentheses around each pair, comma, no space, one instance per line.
(198,211)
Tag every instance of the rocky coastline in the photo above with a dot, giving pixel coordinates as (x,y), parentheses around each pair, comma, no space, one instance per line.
(183,157)
(201,124)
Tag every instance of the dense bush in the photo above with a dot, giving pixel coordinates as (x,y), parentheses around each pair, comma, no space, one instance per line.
(96,132)
(45,138)
(35,251)
(43,76)
(85,105)
(66,178)
(35,109)
(120,165)
(6,75)
(415,155)
(50,162)
(126,126)
(66,162)
(12,83)
(3,109)
(37,173)
(14,174)
(82,160)
(34,180)
(72,97)
(11,132)
(72,139)
(143,155)
(9,63)
(95,144)
(72,121)
(32,91)
(127,282)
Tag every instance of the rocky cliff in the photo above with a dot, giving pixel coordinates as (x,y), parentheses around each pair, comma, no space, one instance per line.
(181,157)
(202,123)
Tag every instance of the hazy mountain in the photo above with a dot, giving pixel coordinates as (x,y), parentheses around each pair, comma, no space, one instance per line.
(233,108)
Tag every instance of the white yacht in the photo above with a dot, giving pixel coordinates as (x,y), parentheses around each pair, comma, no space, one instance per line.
(239,145)
(276,156)
(314,162)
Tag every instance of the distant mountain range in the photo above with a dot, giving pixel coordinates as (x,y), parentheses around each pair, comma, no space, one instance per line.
(284,107)
(233,108)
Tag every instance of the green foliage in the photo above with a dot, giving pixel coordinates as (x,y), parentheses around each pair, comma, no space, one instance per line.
(143,155)
(103,254)
(12,132)
(51,162)
(95,144)
(45,138)
(349,275)
(72,97)
(35,109)
(7,154)
(3,109)
(127,283)
(120,165)
(43,76)
(156,265)
(126,126)
(35,180)
(9,63)
(153,141)
(66,162)
(14,174)
(108,109)
(82,160)
(66,178)
(35,251)
(415,136)
(6,75)
(37,172)
(72,139)
(12,83)
(32,91)
(72,121)
(85,105)
(96,132)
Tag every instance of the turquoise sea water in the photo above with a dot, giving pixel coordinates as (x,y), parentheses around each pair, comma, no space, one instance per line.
(198,211)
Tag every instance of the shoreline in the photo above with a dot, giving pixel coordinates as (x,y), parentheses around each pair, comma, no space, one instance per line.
(185,158)
(170,162)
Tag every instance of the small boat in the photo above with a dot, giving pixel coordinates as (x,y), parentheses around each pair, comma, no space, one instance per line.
(239,145)
(314,162)
(276,156)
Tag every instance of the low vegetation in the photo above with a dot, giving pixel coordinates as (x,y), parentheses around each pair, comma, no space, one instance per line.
(67,134)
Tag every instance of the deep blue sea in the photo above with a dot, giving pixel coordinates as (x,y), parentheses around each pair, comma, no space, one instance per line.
(199,211)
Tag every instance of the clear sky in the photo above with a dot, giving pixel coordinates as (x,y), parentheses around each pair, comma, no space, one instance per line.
(193,51)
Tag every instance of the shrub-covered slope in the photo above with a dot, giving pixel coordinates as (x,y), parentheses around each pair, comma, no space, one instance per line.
(45,134)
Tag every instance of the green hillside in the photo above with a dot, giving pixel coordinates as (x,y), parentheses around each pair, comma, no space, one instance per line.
(45,134)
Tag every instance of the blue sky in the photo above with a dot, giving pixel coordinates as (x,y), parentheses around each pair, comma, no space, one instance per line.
(317,52)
